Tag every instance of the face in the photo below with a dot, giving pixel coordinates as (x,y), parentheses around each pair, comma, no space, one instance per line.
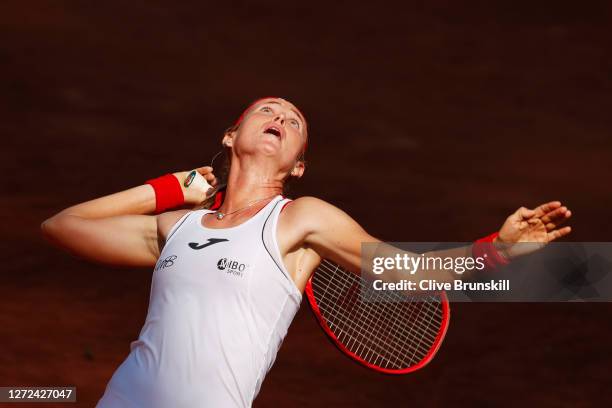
(275,128)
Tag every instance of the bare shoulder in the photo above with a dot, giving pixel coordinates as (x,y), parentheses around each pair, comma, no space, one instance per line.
(165,221)
(311,207)
(311,213)
(315,224)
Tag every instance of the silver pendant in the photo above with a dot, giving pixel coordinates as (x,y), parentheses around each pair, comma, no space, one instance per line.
(220,215)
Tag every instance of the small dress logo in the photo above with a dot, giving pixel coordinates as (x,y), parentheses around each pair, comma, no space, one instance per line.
(231,267)
(167,262)
(211,241)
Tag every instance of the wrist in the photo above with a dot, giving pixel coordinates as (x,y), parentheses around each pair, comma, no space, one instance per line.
(502,248)
(486,248)
(168,192)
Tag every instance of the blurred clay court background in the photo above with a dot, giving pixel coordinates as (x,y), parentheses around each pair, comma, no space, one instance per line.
(429,121)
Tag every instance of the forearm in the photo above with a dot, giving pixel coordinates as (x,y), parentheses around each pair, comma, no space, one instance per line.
(134,201)
(389,264)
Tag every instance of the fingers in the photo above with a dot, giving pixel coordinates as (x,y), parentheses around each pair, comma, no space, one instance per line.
(556,234)
(557,214)
(546,208)
(212,180)
(204,170)
(207,173)
(524,213)
(556,218)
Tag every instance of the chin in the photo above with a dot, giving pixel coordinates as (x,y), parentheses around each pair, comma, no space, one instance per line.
(269,149)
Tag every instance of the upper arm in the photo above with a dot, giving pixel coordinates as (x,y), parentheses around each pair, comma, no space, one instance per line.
(126,240)
(331,232)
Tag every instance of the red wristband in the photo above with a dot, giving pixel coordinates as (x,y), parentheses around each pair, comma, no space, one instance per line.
(168,192)
(485,249)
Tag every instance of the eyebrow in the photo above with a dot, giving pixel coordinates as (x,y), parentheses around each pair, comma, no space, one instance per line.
(299,115)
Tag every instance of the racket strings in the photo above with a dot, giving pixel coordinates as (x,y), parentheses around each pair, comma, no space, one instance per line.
(348,323)
(388,329)
(373,346)
(367,346)
(386,299)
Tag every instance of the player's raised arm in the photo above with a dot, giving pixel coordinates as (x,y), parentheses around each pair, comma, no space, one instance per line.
(120,228)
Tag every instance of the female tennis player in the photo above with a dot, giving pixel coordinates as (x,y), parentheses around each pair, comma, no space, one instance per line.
(228,282)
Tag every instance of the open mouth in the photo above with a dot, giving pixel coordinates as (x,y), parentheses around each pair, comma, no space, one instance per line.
(273,130)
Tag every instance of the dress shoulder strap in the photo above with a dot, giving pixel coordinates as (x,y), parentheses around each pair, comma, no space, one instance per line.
(270,240)
(177,226)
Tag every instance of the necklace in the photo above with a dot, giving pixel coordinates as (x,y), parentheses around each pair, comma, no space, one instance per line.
(220,215)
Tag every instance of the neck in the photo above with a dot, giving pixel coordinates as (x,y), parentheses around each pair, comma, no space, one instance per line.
(245,185)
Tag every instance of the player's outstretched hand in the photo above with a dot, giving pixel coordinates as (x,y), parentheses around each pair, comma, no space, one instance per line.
(528,230)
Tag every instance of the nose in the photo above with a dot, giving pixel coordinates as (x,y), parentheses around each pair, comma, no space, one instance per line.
(280,118)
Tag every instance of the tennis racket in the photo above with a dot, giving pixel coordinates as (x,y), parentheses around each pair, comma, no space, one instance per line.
(382,330)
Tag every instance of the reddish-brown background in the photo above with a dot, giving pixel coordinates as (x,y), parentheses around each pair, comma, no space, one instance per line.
(430,121)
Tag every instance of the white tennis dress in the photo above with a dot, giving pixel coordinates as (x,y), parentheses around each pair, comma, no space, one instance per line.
(221,303)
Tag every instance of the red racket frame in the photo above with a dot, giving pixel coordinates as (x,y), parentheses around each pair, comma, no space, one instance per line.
(428,357)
